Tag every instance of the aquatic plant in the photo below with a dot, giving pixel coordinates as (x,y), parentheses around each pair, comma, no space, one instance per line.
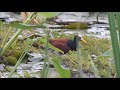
(29,43)
(114,20)
(14,37)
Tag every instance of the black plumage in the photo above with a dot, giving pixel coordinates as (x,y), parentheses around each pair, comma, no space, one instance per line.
(66,44)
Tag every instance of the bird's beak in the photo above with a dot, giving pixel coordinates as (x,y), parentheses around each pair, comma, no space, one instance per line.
(83,40)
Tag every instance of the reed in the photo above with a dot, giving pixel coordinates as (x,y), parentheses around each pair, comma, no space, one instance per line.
(14,37)
(115,34)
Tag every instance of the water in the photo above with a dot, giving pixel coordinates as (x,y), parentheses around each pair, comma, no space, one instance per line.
(97,30)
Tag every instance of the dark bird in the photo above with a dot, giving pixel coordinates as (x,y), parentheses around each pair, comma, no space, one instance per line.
(66,44)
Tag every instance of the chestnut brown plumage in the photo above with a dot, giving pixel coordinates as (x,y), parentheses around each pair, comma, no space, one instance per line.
(66,44)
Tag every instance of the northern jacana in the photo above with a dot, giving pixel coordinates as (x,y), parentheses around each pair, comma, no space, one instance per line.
(66,44)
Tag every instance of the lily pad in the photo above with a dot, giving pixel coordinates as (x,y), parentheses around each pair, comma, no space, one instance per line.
(77,25)
(16,53)
(11,60)
(48,14)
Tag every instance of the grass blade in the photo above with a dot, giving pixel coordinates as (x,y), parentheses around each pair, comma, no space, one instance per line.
(64,73)
(115,44)
(29,44)
(45,69)
(7,45)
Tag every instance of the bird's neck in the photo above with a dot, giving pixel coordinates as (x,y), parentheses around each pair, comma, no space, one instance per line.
(75,42)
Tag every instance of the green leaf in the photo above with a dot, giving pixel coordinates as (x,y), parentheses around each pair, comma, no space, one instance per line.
(14,37)
(115,41)
(118,22)
(27,75)
(22,55)
(29,41)
(64,73)
(48,14)
(108,53)
(77,25)
(25,26)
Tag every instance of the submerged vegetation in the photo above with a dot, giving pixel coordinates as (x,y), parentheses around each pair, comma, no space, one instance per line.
(90,60)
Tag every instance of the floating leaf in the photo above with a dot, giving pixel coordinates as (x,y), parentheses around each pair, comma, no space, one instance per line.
(16,53)
(64,73)
(77,25)
(11,60)
(48,14)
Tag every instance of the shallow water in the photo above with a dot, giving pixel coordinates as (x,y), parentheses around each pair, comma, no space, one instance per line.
(98,30)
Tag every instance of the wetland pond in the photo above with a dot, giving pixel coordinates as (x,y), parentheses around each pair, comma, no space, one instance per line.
(91,63)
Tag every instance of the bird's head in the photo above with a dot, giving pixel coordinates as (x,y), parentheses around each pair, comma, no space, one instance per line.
(79,38)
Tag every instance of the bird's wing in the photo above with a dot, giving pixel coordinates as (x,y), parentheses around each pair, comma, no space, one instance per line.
(61,46)
(61,40)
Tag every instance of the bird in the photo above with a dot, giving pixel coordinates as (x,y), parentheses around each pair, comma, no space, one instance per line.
(65,44)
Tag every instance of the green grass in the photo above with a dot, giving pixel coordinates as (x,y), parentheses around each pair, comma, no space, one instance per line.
(101,66)
(29,43)
(14,37)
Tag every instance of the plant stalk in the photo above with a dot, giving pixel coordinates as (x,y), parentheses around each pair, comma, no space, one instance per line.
(29,19)
(115,44)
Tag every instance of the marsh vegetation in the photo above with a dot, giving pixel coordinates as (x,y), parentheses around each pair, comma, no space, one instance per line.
(25,51)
